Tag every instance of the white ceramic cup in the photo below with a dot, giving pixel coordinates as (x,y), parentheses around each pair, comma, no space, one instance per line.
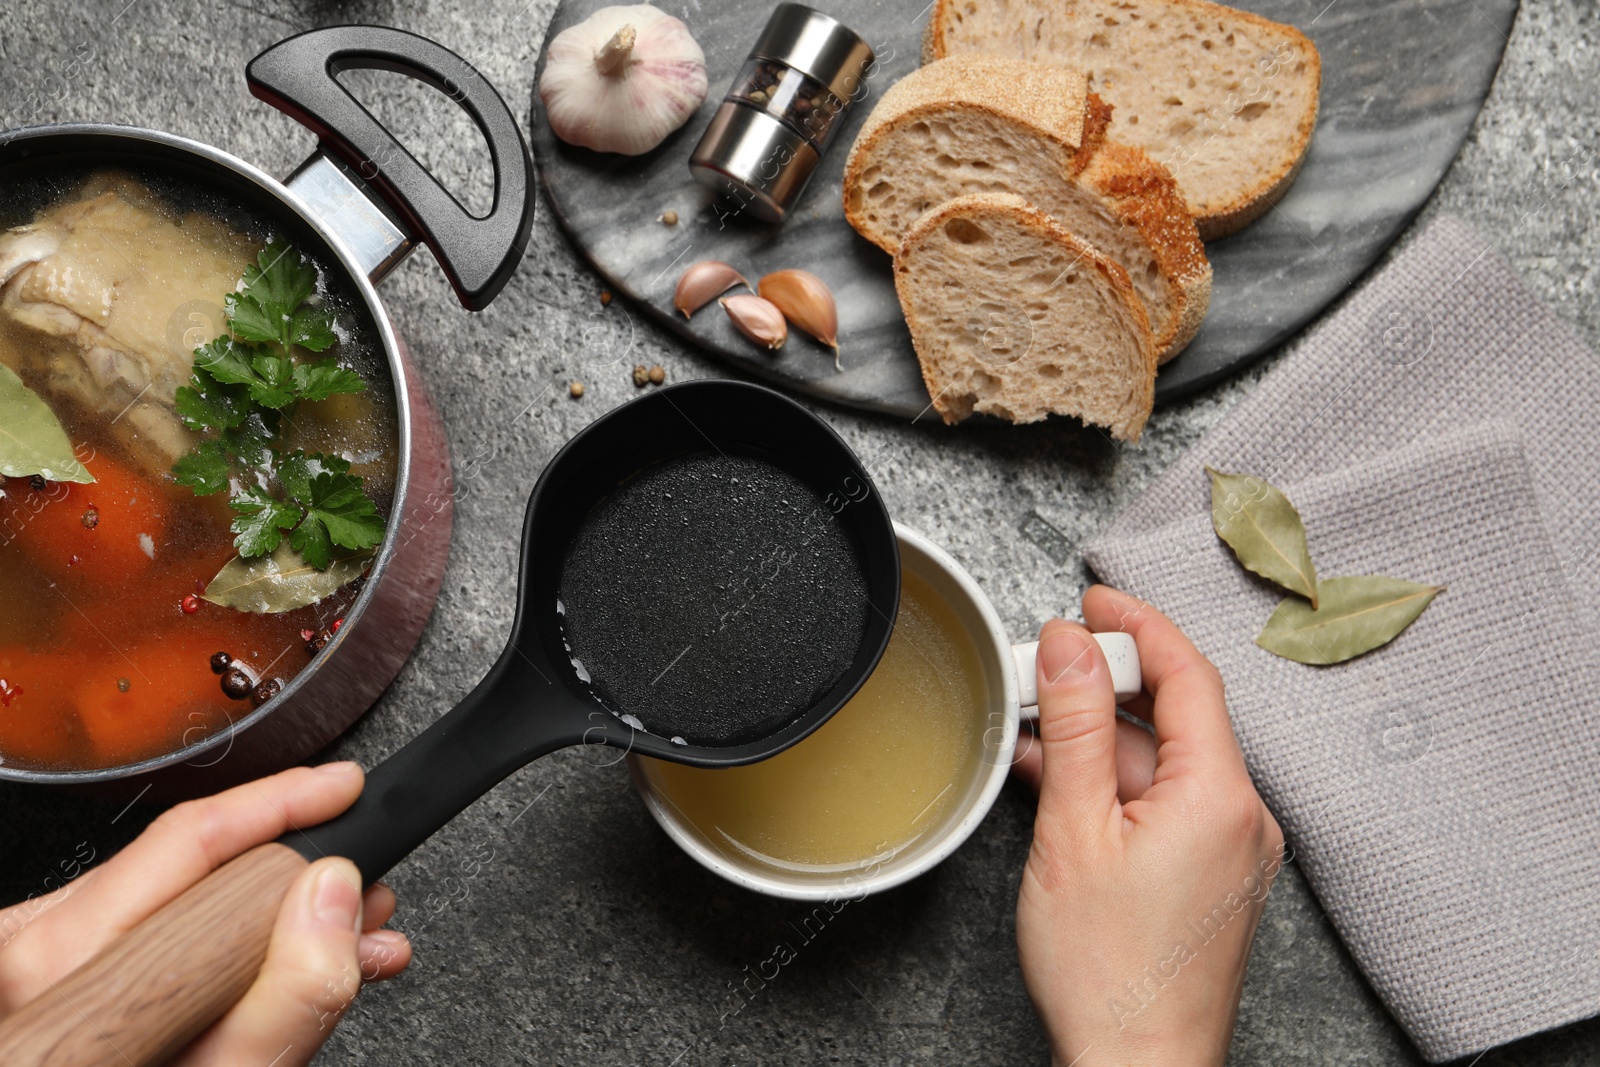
(1011,683)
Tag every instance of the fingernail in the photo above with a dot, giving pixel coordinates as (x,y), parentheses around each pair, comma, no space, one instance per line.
(378,949)
(339,769)
(384,943)
(337,901)
(1064,655)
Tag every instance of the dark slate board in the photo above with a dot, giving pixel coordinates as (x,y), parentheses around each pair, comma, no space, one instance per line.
(1402,83)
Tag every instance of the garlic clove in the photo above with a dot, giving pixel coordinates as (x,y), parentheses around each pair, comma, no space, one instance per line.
(703,281)
(758,319)
(806,301)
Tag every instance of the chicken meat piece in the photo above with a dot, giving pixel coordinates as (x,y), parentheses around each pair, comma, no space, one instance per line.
(113,292)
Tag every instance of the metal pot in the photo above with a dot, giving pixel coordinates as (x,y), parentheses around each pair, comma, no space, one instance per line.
(360,204)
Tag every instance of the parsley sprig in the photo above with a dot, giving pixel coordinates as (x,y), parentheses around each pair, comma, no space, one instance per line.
(243,389)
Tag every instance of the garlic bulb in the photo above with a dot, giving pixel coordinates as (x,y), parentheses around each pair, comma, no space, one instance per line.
(622,79)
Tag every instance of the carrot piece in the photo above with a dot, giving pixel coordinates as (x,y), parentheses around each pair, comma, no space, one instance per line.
(172,697)
(106,533)
(37,727)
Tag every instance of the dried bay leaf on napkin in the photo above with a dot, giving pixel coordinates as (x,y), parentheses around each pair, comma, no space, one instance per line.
(1264,530)
(1355,615)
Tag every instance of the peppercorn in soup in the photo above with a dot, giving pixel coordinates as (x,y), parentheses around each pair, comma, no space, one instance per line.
(198,440)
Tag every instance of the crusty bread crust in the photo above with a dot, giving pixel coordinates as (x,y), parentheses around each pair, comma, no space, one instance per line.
(1096,124)
(1144,195)
(1221,219)
(1140,388)
(933,44)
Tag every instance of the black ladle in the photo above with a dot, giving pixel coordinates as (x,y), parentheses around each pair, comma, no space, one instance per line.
(151,991)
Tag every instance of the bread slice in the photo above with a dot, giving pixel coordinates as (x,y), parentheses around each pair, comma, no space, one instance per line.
(1013,316)
(1224,99)
(981,124)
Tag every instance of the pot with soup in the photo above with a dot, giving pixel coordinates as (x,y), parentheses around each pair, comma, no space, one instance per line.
(225,496)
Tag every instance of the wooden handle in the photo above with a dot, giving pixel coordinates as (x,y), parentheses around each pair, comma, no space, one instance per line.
(149,992)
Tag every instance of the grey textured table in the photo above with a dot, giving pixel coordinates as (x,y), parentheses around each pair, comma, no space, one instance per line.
(587,938)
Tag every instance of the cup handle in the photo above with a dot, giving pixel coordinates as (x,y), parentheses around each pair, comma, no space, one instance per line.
(1121,654)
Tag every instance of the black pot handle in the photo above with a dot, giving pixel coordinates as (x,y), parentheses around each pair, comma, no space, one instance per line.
(297,76)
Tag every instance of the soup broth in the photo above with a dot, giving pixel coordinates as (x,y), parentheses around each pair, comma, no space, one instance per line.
(889,766)
(108,647)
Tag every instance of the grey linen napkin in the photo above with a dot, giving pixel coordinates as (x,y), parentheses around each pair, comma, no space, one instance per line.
(1440,792)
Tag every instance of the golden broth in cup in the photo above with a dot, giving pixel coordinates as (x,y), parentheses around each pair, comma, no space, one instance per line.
(882,772)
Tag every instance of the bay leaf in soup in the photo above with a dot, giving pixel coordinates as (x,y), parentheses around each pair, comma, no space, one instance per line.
(32,440)
(1264,530)
(1354,615)
(281,581)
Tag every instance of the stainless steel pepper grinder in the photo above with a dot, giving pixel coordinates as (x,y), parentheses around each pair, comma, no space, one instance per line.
(782,112)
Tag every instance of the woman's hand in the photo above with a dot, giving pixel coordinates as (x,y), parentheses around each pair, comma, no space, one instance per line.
(325,945)
(1152,855)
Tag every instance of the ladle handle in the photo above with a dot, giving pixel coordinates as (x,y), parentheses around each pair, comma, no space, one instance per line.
(1122,655)
(515,715)
(155,988)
